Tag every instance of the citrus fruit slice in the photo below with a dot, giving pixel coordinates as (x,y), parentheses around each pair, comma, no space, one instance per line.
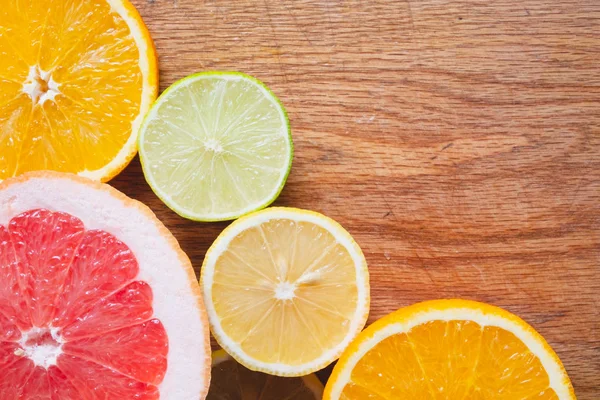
(232,381)
(286,290)
(76,79)
(216,145)
(97,300)
(449,349)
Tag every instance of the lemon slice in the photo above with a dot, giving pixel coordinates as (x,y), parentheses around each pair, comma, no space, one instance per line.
(216,145)
(449,349)
(286,290)
(232,381)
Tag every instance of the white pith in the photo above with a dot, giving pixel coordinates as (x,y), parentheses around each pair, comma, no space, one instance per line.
(43,355)
(34,89)
(285,291)
(341,236)
(175,303)
(215,147)
(554,371)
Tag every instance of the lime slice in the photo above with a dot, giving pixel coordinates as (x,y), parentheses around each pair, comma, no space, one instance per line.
(216,145)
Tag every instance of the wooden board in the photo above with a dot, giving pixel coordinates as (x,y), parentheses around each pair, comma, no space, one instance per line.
(458,141)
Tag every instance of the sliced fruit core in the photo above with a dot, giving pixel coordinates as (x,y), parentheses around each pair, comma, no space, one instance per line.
(74,321)
(41,345)
(285,282)
(285,291)
(40,86)
(455,359)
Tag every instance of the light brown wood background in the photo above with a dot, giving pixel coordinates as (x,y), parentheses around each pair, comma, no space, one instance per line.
(458,141)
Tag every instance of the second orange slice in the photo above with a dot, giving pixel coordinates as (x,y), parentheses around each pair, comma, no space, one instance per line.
(449,349)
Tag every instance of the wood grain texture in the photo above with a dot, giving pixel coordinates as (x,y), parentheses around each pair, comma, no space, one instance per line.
(458,141)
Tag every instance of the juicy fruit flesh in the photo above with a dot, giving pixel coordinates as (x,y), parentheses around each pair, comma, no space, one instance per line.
(217,146)
(450,360)
(74,321)
(70,85)
(232,381)
(282,283)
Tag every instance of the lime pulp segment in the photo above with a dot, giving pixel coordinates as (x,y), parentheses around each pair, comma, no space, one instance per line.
(216,146)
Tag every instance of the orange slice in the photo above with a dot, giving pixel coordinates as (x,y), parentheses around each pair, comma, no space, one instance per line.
(449,349)
(97,300)
(232,381)
(76,79)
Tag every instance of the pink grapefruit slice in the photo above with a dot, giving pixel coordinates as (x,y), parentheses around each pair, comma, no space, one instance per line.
(97,300)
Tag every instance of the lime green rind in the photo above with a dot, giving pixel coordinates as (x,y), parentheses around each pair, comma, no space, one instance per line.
(227,217)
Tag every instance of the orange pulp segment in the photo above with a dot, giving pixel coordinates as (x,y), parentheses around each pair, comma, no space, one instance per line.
(76,77)
(449,349)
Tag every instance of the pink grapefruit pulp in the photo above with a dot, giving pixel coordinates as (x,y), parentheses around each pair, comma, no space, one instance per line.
(79,315)
(72,317)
